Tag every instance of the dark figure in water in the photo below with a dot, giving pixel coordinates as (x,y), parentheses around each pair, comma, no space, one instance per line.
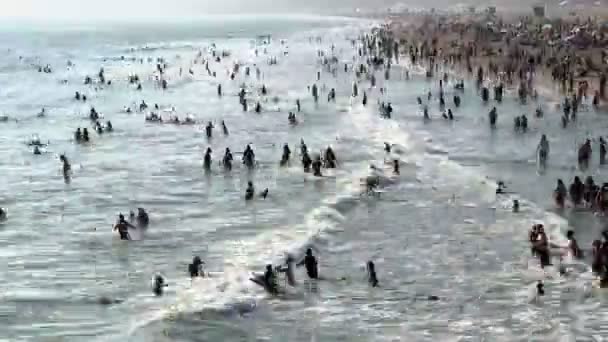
(541,247)
(224,128)
(207,160)
(577,191)
(109,127)
(524,123)
(123,227)
(209,130)
(485,94)
(196,267)
(306,161)
(517,124)
(540,288)
(142,217)
(498,90)
(98,128)
(602,151)
(330,158)
(264,193)
(573,245)
(286,155)
(66,165)
(456,101)
(249,157)
(584,155)
(371,272)
(500,188)
(316,167)
(85,135)
(493,115)
(387,147)
(597,265)
(227,159)
(310,262)
(270,280)
(250,192)
(515,206)
(159,285)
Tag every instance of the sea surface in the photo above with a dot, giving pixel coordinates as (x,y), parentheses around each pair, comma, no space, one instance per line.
(437,229)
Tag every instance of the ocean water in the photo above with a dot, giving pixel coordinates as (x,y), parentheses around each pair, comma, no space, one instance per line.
(437,229)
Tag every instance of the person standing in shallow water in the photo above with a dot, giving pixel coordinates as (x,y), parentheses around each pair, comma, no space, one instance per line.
(123,227)
(310,262)
(371,272)
(250,192)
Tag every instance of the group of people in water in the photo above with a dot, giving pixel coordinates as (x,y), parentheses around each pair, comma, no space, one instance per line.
(378,51)
(519,69)
(544,249)
(585,195)
(270,278)
(140,221)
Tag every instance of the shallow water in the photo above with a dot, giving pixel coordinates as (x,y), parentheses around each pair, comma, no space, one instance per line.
(437,229)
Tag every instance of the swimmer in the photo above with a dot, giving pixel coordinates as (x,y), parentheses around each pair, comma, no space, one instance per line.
(573,245)
(560,193)
(540,288)
(500,188)
(159,285)
(3,214)
(142,217)
(396,166)
(224,128)
(288,270)
(371,272)
(123,227)
(310,262)
(227,161)
(543,150)
(209,129)
(66,165)
(207,160)
(37,151)
(196,267)
(250,192)
(316,167)
(270,280)
(387,147)
(264,193)
(515,206)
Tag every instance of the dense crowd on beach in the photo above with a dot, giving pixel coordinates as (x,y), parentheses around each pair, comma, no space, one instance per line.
(529,54)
